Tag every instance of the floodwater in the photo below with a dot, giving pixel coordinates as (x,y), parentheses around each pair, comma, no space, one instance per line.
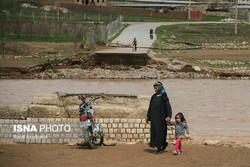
(215,109)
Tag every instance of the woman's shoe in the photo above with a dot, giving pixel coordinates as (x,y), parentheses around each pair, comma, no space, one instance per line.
(175,153)
(164,146)
(158,151)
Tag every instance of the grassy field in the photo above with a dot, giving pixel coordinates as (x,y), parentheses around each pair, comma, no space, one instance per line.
(203,34)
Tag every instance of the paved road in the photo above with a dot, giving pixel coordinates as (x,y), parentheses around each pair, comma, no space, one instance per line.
(140,31)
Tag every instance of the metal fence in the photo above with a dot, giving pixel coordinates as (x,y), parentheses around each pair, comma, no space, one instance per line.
(52,16)
(89,33)
(103,33)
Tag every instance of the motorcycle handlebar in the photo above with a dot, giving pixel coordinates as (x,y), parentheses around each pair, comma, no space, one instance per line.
(82,98)
(93,99)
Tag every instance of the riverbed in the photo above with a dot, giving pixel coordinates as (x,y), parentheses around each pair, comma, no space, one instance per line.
(215,109)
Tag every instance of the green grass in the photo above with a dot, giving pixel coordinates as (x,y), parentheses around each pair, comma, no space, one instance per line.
(81,16)
(117,34)
(202,34)
(40,38)
(214,18)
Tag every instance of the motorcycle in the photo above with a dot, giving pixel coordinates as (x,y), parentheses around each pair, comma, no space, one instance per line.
(151,36)
(92,133)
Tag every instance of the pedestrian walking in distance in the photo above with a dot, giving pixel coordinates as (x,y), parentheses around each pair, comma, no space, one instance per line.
(134,45)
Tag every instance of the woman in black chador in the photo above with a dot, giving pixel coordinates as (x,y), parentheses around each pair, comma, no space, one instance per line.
(159,113)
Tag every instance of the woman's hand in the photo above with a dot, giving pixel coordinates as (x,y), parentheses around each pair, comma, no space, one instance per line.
(188,136)
(146,120)
(167,119)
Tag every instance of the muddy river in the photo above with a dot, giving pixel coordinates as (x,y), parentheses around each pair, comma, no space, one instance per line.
(216,109)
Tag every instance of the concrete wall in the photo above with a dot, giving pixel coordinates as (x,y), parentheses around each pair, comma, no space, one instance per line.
(54,106)
(64,130)
(224,14)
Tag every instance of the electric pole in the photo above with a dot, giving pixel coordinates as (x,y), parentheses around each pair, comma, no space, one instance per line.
(236,12)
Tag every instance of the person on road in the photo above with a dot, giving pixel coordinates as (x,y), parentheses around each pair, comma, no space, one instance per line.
(180,128)
(135,45)
(159,113)
(151,31)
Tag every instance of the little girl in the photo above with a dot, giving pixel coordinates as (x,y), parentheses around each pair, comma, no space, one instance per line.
(180,127)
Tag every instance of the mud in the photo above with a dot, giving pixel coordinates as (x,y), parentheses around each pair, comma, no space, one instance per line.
(130,60)
(130,66)
(123,155)
(20,60)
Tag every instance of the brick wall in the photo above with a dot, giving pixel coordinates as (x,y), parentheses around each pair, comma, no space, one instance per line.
(63,130)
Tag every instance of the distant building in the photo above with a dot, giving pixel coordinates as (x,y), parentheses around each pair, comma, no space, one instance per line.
(243,12)
(80,2)
(160,5)
(92,2)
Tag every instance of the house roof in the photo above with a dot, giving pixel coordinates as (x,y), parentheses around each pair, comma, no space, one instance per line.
(149,5)
(242,7)
(166,1)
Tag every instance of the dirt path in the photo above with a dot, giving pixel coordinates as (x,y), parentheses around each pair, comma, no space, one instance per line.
(121,155)
(231,55)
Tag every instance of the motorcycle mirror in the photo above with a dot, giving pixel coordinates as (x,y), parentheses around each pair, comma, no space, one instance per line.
(82,98)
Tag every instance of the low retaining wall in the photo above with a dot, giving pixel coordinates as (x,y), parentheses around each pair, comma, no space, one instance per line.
(64,130)
(54,106)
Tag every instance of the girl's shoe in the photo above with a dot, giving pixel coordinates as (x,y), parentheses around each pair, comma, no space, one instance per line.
(175,153)
(180,152)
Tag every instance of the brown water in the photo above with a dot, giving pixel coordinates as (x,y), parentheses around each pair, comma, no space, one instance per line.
(218,109)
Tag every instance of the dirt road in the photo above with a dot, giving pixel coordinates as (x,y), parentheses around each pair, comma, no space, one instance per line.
(121,155)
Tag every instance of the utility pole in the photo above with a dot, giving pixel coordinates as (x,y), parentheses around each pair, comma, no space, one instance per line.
(189,8)
(236,12)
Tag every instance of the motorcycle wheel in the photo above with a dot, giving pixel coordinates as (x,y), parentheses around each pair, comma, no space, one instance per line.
(90,140)
(99,141)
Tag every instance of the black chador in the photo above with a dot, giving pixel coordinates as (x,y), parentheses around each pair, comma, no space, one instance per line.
(159,110)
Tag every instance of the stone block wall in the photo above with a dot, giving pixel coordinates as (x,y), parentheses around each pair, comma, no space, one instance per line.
(64,130)
(54,106)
